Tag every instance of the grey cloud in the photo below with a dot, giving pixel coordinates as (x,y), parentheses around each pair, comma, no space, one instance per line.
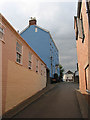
(58,18)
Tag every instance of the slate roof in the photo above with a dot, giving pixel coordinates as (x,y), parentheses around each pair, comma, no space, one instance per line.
(69,72)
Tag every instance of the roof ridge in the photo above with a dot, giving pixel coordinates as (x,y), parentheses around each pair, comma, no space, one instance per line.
(43,30)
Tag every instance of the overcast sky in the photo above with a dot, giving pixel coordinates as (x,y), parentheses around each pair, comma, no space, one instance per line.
(56,17)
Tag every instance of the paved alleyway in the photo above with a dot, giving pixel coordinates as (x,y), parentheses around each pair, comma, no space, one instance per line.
(60,102)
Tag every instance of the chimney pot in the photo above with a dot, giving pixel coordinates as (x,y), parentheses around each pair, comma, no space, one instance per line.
(32,21)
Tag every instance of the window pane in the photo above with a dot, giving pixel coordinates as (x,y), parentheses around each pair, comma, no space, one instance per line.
(1,30)
(18,59)
(30,56)
(1,35)
(36,65)
(80,28)
(18,47)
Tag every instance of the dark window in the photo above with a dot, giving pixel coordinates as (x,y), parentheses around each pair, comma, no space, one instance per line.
(1,33)
(82,29)
(18,52)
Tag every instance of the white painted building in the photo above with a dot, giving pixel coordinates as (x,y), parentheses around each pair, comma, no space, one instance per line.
(68,77)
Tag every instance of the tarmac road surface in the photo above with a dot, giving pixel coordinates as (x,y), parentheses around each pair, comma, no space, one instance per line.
(60,102)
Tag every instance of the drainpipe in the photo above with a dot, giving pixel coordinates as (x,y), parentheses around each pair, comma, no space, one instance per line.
(51,65)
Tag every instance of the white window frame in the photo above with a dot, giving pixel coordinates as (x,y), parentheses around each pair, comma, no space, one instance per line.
(41,69)
(19,52)
(2,32)
(37,65)
(30,61)
(35,29)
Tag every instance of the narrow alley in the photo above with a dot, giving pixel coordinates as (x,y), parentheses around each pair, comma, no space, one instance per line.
(60,102)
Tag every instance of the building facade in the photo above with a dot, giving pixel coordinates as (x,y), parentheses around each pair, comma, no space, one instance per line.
(68,76)
(23,71)
(41,41)
(82,32)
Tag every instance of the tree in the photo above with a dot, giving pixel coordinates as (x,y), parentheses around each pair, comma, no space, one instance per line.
(61,72)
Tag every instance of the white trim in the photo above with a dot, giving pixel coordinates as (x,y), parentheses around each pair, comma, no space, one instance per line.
(18,63)
(2,24)
(30,60)
(37,65)
(19,41)
(20,54)
(36,29)
(43,30)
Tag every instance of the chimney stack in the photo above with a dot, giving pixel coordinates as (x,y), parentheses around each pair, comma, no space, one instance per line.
(32,21)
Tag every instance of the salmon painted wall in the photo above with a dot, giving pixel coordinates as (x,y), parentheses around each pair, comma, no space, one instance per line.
(1,42)
(83,51)
(18,82)
(21,84)
(89,59)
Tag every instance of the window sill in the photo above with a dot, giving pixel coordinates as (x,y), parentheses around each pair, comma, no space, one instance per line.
(29,68)
(36,71)
(2,40)
(18,63)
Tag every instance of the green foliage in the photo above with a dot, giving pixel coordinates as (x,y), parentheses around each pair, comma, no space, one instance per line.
(61,72)
(55,75)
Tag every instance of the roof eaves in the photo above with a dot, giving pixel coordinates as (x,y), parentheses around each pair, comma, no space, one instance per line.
(53,41)
(42,28)
(79,8)
(49,34)
(24,29)
(18,35)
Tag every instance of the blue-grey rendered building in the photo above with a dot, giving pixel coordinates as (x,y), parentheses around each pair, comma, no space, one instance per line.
(40,40)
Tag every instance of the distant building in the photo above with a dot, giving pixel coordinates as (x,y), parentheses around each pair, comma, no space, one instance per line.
(22,71)
(82,32)
(42,43)
(68,76)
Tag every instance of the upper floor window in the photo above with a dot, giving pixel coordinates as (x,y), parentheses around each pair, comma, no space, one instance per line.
(41,69)
(36,65)
(81,28)
(36,29)
(18,52)
(30,61)
(1,33)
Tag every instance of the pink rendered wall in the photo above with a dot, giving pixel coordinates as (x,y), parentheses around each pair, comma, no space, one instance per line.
(9,62)
(83,51)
